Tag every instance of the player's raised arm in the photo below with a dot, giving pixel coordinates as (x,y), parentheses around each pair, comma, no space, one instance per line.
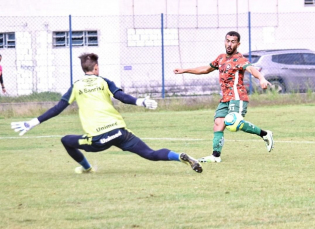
(142,102)
(262,80)
(198,70)
(128,99)
(25,126)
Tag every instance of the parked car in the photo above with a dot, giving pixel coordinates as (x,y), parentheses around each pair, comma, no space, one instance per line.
(289,70)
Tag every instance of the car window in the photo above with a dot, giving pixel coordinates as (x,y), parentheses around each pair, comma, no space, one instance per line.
(254,59)
(289,58)
(309,58)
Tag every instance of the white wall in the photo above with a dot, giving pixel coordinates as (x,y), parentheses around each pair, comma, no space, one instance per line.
(146,7)
(34,64)
(58,7)
(51,65)
(192,7)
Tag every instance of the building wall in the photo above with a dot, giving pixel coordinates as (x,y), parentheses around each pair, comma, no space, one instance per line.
(200,7)
(147,7)
(130,42)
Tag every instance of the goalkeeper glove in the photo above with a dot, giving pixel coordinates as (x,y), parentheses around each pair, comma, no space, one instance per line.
(147,103)
(23,127)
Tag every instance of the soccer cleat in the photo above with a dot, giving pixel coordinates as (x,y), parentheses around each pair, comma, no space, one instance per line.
(268,140)
(81,170)
(210,159)
(191,161)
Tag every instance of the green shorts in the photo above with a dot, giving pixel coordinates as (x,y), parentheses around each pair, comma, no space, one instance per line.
(238,106)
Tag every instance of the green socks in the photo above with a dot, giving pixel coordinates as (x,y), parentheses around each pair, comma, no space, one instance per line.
(250,128)
(218,141)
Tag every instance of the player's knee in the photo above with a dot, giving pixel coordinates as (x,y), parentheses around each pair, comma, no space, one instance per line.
(218,124)
(64,140)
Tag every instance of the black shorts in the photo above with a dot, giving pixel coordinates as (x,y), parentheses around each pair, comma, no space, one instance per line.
(120,138)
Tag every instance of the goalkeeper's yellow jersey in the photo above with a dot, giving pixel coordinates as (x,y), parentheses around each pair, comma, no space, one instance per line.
(93,96)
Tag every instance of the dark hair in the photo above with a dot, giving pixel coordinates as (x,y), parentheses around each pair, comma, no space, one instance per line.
(236,34)
(88,61)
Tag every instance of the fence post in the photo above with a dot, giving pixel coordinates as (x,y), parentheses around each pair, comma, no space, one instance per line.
(162,38)
(250,52)
(70,47)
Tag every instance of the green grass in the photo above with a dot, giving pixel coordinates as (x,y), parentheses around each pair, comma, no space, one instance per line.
(251,188)
(37,103)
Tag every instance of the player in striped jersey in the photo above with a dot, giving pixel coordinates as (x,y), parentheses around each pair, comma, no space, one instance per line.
(103,125)
(231,66)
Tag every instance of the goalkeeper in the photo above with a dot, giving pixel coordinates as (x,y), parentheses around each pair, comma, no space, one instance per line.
(103,125)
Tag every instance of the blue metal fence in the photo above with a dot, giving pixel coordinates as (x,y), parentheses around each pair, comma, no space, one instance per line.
(139,53)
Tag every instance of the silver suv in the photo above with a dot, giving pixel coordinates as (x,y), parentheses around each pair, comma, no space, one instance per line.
(289,70)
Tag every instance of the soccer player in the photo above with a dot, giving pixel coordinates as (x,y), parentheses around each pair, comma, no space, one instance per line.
(231,66)
(103,125)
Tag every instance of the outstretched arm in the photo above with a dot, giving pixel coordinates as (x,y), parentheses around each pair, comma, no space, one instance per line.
(125,98)
(23,127)
(199,70)
(128,99)
(54,111)
(262,81)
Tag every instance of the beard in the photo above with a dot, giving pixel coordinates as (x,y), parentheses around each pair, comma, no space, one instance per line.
(229,50)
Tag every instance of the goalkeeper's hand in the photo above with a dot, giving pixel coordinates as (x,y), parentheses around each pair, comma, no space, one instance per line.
(147,103)
(23,127)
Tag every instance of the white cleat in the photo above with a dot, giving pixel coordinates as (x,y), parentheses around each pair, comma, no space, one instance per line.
(81,170)
(268,140)
(210,159)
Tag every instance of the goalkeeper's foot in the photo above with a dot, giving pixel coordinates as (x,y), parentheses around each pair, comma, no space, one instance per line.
(210,159)
(191,161)
(81,170)
(268,140)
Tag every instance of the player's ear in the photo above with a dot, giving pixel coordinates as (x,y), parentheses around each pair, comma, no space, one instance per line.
(96,70)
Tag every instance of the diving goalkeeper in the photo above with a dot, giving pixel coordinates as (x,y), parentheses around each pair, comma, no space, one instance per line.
(103,125)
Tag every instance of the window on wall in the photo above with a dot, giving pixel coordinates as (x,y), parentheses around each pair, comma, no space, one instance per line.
(7,40)
(79,38)
(309,2)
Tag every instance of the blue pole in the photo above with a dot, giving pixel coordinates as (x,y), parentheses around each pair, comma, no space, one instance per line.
(250,52)
(162,38)
(70,47)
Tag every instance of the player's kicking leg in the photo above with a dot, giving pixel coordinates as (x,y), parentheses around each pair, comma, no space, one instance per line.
(266,135)
(268,140)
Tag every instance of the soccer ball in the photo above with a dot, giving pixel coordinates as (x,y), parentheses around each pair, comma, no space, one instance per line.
(233,121)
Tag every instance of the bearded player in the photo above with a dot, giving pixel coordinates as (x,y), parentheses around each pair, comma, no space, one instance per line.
(232,66)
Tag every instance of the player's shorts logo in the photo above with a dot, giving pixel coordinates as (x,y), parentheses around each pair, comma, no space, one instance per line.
(109,138)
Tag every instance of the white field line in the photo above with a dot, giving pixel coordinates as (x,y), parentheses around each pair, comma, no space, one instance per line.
(166,139)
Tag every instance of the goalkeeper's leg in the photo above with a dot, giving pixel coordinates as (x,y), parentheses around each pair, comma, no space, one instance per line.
(71,144)
(143,150)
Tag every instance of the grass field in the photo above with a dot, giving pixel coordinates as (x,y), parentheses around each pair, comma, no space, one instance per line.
(251,188)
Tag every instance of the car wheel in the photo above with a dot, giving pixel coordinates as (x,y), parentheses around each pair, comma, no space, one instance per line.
(277,86)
